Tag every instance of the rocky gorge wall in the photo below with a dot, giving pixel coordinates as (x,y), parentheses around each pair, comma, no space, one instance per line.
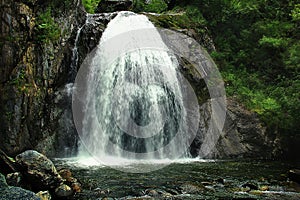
(37,75)
(34,72)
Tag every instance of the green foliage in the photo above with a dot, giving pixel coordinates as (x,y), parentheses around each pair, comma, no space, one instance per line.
(296,13)
(170,21)
(250,92)
(20,78)
(46,28)
(258,52)
(90,5)
(20,82)
(9,116)
(273,42)
(157,6)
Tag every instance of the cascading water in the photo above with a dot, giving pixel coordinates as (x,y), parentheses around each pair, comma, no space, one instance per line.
(73,67)
(134,101)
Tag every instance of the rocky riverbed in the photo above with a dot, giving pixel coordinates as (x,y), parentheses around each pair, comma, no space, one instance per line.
(187,180)
(127,179)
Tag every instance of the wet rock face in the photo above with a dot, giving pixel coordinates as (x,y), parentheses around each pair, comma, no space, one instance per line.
(16,29)
(36,77)
(178,22)
(31,71)
(243,135)
(91,33)
(113,5)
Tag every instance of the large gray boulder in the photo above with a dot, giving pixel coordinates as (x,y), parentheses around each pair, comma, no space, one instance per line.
(38,170)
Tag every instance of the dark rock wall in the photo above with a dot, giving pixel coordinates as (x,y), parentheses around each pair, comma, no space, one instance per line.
(113,5)
(244,136)
(31,74)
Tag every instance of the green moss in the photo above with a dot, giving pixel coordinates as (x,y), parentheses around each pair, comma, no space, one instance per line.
(90,5)
(20,82)
(19,79)
(156,6)
(169,21)
(9,116)
(193,76)
(47,30)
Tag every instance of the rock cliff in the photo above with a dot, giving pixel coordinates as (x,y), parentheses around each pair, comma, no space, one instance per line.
(35,59)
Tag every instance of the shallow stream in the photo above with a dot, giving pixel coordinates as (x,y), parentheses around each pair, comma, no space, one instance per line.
(186,179)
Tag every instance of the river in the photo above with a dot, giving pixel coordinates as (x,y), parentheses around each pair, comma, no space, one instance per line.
(185,179)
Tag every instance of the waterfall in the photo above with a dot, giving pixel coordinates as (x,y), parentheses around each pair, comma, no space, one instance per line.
(74,60)
(133,95)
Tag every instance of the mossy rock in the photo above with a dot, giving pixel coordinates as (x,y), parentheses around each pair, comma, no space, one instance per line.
(190,72)
(170,21)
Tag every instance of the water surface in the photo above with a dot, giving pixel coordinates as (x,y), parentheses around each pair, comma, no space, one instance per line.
(186,179)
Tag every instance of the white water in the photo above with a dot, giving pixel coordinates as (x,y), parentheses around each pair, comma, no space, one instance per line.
(134,101)
(88,161)
(75,53)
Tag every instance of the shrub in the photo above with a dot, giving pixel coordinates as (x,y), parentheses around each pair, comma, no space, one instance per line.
(90,5)
(157,6)
(46,28)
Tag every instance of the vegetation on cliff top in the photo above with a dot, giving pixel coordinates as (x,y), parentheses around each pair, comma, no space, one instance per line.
(90,5)
(257,51)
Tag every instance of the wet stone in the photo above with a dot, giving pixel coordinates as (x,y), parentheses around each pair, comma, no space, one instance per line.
(191,188)
(63,191)
(251,186)
(44,195)
(294,175)
(14,179)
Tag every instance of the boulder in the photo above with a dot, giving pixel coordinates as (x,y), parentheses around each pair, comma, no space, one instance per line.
(72,182)
(15,193)
(44,195)
(14,179)
(294,175)
(63,191)
(113,5)
(65,174)
(76,187)
(152,193)
(191,188)
(38,170)
(251,186)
